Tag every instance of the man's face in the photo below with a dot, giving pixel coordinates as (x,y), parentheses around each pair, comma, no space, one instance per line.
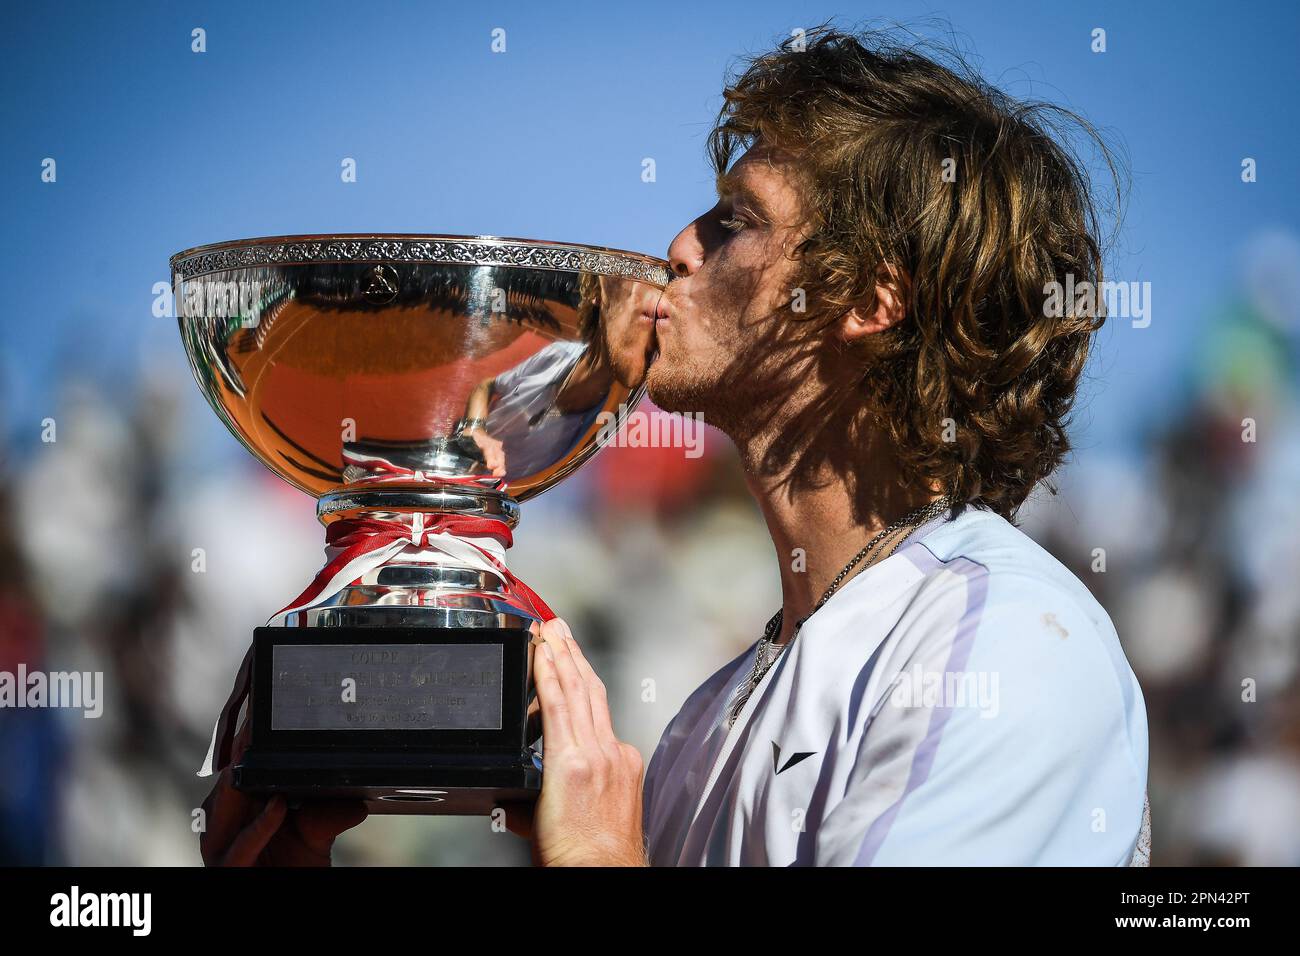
(734,281)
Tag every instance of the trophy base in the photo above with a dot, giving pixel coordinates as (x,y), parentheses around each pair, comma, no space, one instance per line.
(425,720)
(419,785)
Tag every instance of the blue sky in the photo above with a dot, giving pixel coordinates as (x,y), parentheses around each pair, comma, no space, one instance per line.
(159,148)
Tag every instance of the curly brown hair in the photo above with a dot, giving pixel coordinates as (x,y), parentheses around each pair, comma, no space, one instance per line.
(974,387)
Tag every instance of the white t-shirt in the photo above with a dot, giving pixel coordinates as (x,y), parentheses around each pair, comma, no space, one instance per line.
(963,702)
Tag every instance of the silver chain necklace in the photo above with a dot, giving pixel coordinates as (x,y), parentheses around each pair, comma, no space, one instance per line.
(763,659)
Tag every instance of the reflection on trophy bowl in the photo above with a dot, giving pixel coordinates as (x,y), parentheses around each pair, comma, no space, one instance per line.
(348,361)
(420,386)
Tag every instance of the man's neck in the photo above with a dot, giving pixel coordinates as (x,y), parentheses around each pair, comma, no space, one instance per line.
(819,522)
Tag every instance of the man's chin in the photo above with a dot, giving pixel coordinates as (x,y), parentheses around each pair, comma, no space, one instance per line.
(661,385)
(668,388)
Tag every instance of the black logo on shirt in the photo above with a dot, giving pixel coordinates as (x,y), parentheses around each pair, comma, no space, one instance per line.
(794,759)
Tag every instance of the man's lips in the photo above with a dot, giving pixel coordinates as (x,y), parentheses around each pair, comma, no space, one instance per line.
(662,314)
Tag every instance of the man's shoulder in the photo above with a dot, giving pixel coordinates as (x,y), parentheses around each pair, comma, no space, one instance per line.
(1006,606)
(1003,570)
(992,596)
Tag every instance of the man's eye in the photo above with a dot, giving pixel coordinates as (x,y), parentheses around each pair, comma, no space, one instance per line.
(732,224)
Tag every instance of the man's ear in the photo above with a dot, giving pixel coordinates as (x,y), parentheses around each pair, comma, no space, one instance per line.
(890,306)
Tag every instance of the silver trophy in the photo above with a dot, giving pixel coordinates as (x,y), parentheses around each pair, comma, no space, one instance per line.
(420,387)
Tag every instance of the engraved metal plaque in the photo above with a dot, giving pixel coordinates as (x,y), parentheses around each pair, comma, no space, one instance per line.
(395,687)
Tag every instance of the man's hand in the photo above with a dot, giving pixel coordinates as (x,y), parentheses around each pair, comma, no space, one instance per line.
(493,449)
(589,812)
(243,830)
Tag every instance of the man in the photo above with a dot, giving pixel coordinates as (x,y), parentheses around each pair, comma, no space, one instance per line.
(864,314)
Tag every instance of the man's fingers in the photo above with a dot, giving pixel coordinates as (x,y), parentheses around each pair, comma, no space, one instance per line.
(226,811)
(601,720)
(577,694)
(556,726)
(253,839)
(319,822)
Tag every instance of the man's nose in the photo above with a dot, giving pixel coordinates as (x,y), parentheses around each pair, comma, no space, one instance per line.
(686,252)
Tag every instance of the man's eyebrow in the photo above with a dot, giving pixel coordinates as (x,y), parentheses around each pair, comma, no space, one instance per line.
(729,184)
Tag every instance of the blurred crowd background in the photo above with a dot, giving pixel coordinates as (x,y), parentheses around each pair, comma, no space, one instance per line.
(659,562)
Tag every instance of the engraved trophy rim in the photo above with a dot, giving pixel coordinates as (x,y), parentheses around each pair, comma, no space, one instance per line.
(443,248)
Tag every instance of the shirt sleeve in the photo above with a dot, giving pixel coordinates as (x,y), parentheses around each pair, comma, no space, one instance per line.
(1013,734)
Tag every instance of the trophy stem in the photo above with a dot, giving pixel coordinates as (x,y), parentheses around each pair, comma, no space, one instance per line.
(393,503)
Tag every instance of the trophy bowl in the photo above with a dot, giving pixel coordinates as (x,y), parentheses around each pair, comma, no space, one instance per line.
(420,387)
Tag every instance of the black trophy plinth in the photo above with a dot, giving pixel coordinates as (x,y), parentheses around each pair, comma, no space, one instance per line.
(408,719)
